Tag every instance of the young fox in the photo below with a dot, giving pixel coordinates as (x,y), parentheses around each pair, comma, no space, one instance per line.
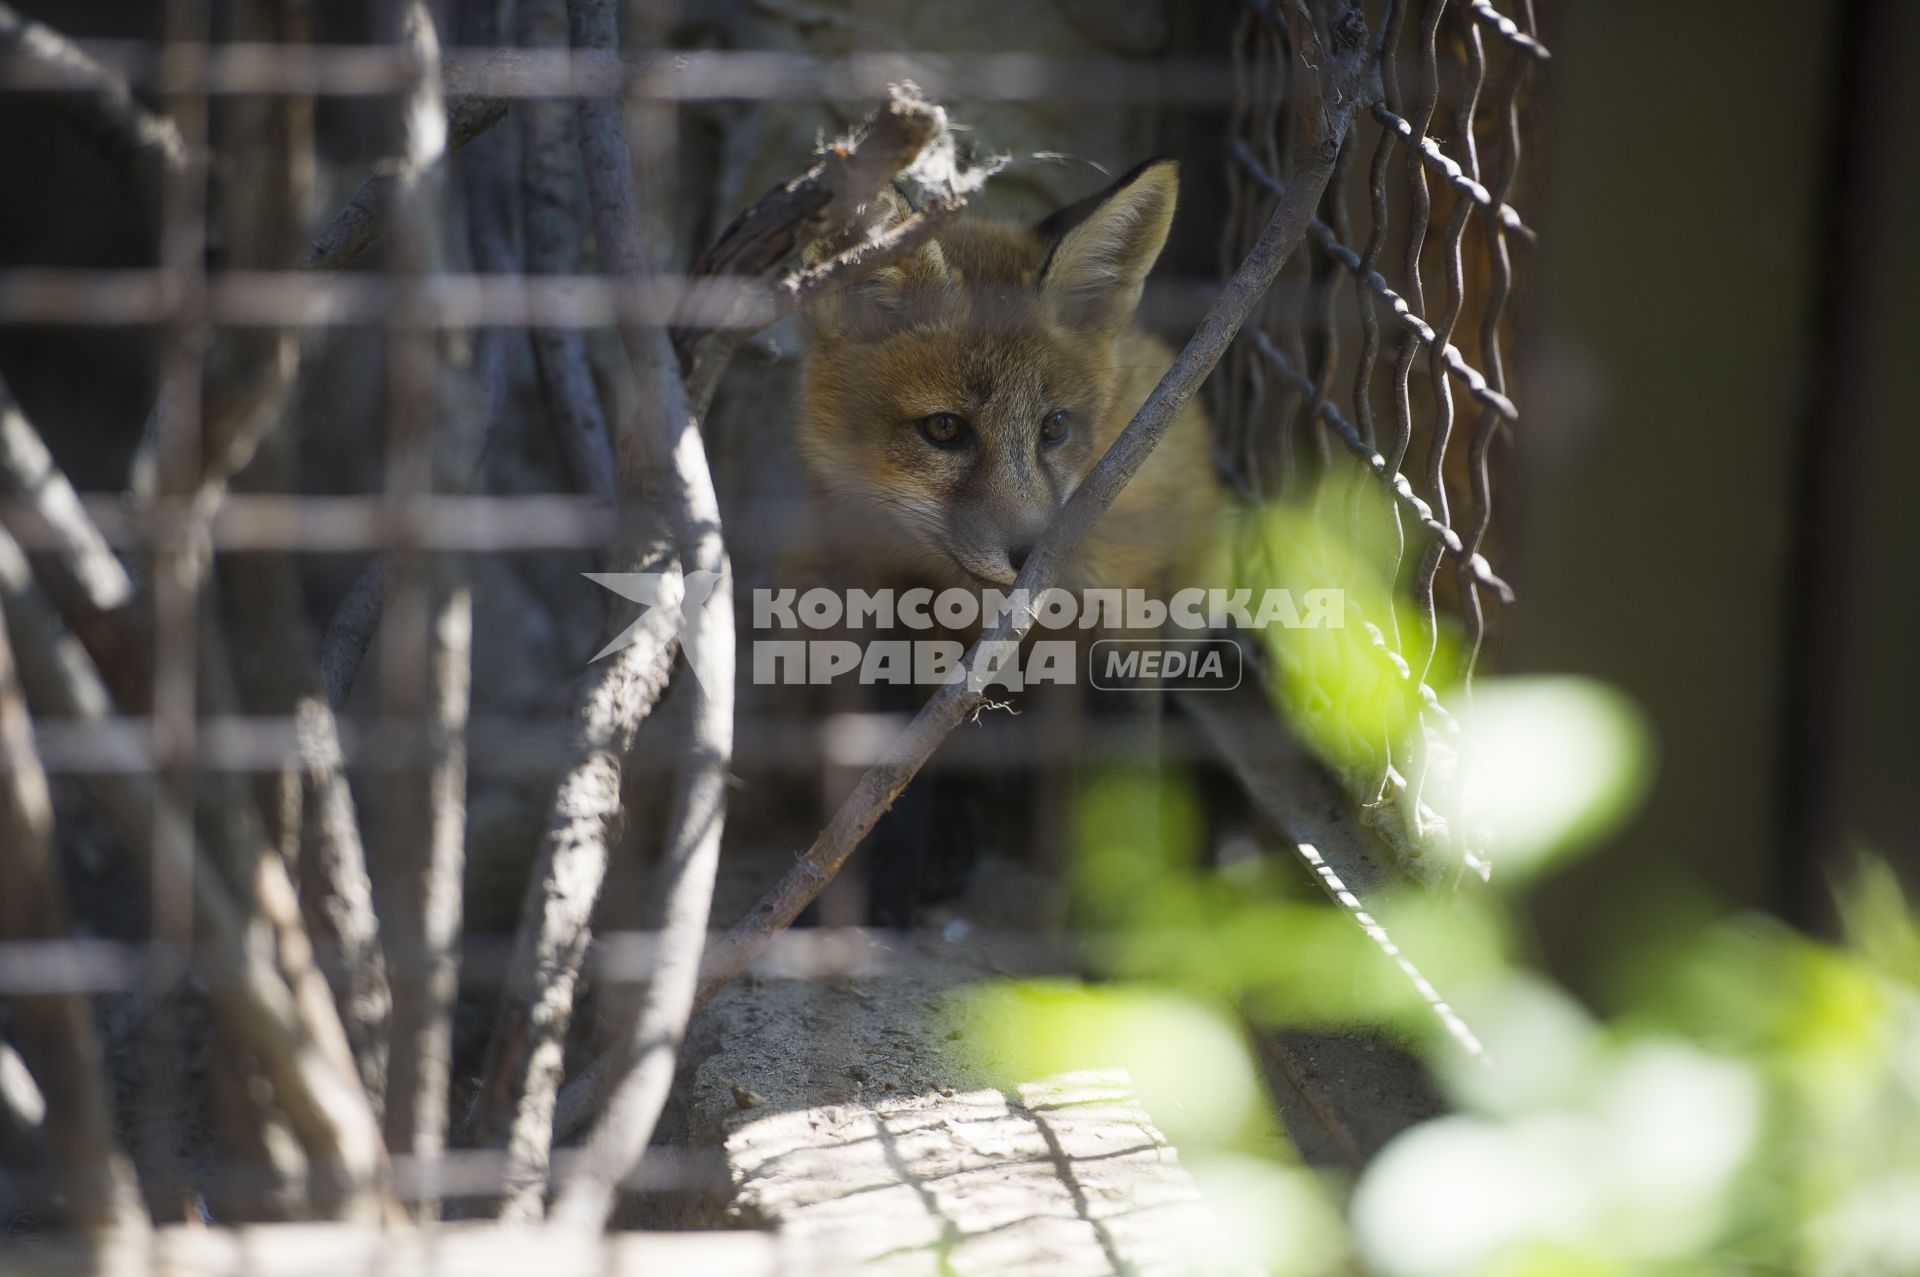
(951,403)
(949,406)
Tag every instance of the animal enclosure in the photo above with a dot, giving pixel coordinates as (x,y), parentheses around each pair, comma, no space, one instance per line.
(388,474)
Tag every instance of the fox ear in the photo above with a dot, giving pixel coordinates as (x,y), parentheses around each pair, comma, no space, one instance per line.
(881,298)
(1101,248)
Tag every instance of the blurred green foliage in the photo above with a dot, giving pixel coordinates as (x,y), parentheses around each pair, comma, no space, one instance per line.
(1750,1105)
(1349,692)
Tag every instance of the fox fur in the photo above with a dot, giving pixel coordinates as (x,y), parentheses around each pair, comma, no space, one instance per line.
(1018,344)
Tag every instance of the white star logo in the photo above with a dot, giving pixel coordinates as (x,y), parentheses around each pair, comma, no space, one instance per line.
(687,593)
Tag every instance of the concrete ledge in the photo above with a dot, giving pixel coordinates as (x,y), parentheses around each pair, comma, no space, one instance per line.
(456,1250)
(853,1124)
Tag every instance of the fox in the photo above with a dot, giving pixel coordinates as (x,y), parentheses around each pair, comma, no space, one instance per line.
(952,402)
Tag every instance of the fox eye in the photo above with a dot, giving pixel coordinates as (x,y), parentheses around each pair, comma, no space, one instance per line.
(1054,427)
(943,430)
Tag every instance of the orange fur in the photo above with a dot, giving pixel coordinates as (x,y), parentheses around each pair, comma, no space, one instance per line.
(1002,325)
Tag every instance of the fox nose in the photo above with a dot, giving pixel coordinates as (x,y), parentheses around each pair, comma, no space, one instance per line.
(1017,554)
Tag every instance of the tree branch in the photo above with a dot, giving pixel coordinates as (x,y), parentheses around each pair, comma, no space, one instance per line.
(103,105)
(666,439)
(354,228)
(550,188)
(819,211)
(284,1020)
(426,660)
(234,862)
(823,210)
(55,1030)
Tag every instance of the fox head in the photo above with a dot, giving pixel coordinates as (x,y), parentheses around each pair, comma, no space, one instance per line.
(953,401)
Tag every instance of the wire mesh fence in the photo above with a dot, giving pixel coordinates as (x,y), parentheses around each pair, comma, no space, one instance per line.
(1419,296)
(302,852)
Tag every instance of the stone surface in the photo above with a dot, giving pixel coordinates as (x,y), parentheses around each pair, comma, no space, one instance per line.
(855,1120)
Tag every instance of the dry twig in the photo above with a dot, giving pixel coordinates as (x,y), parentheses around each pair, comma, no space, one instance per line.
(55,1030)
(824,206)
(97,99)
(825,214)
(27,471)
(286,1016)
(550,188)
(357,224)
(667,439)
(426,658)
(284,1020)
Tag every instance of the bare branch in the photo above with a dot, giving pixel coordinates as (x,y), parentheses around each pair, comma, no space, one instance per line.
(667,439)
(550,187)
(314,813)
(309,805)
(336,892)
(283,1020)
(357,618)
(425,669)
(488,180)
(821,210)
(1334,93)
(525,1056)
(55,1030)
(87,566)
(83,575)
(357,224)
(257,876)
(105,107)
(334,1120)
(350,632)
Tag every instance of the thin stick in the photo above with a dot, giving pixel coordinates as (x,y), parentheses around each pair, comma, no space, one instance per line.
(823,208)
(350,633)
(525,1057)
(667,438)
(28,472)
(272,1015)
(106,108)
(337,1131)
(55,1030)
(1331,96)
(550,188)
(354,228)
(426,665)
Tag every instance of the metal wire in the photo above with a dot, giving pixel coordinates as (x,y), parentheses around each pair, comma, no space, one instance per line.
(1469,281)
